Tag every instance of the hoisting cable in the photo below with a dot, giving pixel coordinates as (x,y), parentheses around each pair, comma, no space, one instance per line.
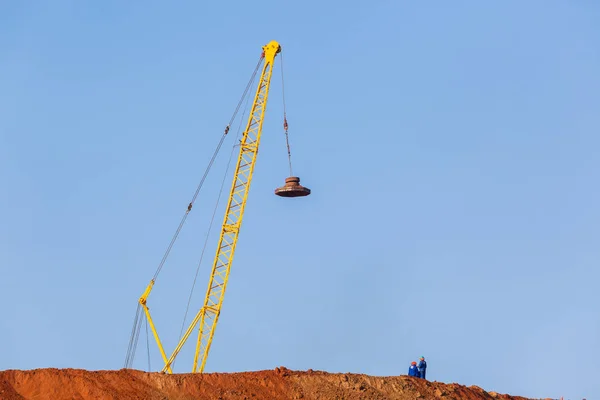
(213,217)
(135,341)
(212,160)
(137,321)
(189,207)
(285,123)
(130,350)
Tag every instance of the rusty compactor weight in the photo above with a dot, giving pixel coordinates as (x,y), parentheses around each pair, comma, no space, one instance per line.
(292,188)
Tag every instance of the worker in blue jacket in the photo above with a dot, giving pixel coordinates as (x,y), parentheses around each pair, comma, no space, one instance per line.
(412,370)
(422,367)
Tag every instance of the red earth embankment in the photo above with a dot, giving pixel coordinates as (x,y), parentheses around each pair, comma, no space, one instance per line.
(281,383)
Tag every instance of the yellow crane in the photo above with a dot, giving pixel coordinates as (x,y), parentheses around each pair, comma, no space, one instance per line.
(208,315)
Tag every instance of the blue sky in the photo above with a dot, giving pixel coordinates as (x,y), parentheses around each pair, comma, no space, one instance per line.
(451,147)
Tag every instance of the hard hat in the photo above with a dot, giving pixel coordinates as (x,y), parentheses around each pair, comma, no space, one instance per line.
(413,363)
(422,358)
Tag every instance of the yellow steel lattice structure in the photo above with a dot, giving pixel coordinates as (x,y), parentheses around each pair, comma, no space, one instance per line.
(207,317)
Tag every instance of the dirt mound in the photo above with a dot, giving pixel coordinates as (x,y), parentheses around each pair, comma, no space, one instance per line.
(281,383)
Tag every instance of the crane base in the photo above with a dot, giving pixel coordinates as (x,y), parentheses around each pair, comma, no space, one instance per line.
(292,188)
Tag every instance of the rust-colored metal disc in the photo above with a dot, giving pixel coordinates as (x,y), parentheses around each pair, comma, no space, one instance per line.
(292,188)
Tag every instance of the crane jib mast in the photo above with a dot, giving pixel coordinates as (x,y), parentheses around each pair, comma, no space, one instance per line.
(206,318)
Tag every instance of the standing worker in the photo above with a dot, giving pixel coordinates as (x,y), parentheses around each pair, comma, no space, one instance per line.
(422,367)
(412,370)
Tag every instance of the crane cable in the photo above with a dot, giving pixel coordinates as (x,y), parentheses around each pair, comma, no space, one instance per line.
(285,123)
(129,357)
(212,160)
(213,218)
(137,321)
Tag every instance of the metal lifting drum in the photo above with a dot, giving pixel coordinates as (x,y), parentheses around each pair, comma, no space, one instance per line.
(292,188)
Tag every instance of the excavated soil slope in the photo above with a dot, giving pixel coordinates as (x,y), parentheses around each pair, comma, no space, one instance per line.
(281,383)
